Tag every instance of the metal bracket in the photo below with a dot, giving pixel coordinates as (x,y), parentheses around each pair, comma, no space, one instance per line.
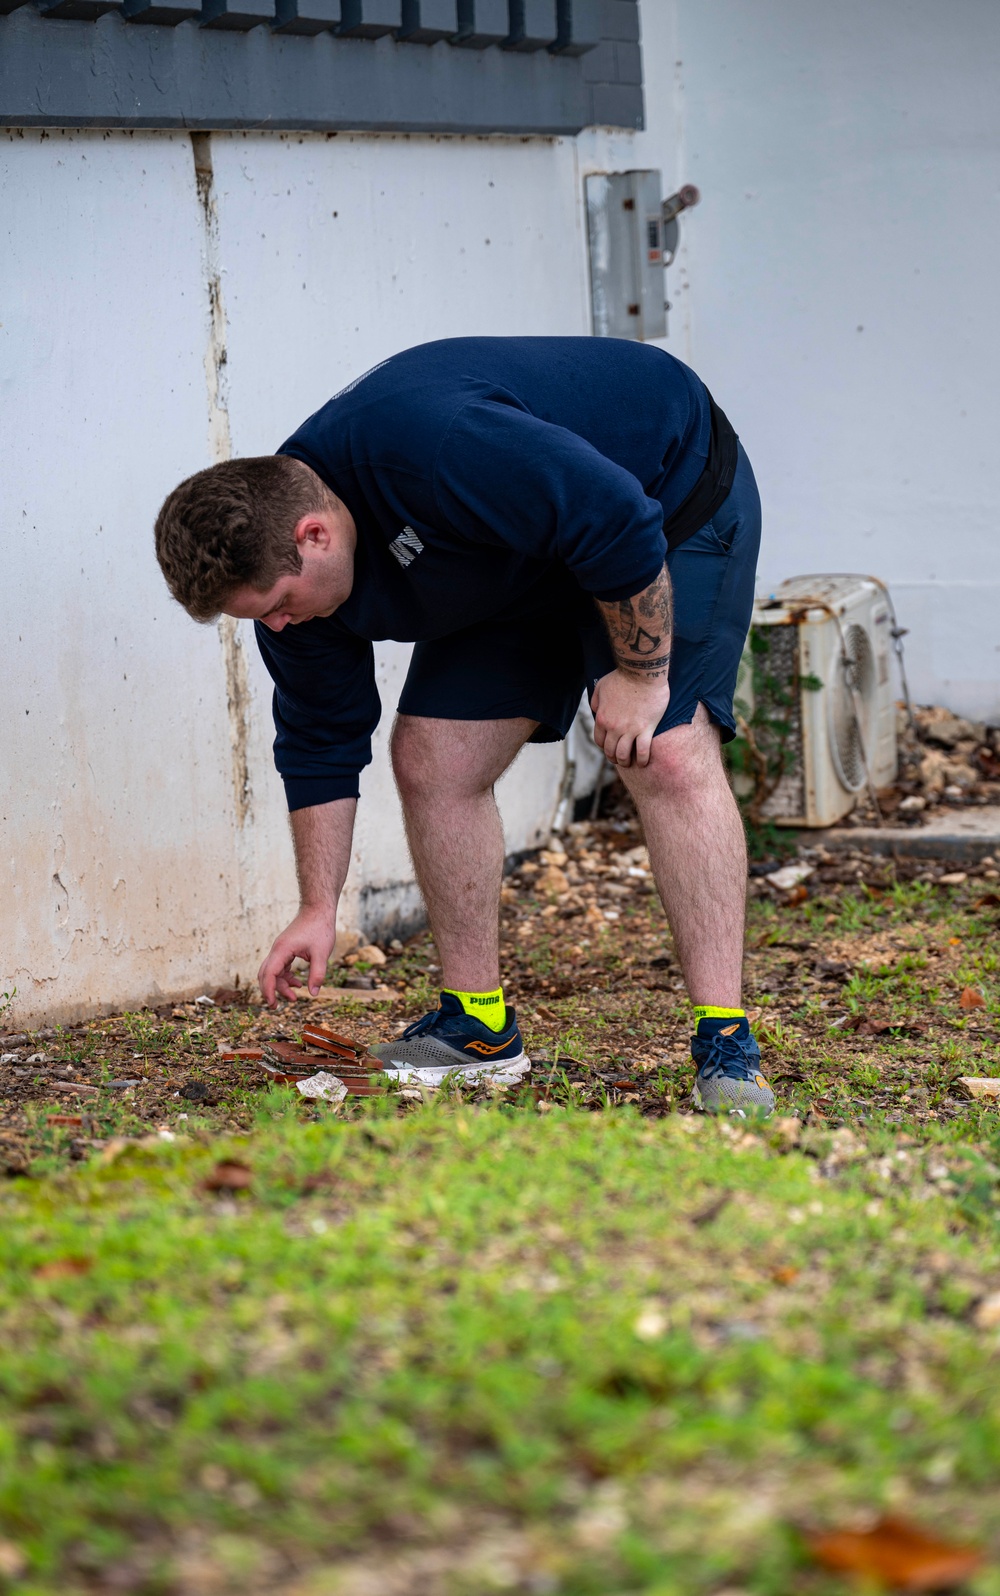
(670,232)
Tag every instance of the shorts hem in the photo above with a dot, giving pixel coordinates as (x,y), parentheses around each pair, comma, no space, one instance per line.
(719,717)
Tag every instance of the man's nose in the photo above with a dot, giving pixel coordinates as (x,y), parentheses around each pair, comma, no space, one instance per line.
(276,623)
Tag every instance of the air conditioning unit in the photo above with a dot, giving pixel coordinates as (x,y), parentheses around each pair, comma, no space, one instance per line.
(815,704)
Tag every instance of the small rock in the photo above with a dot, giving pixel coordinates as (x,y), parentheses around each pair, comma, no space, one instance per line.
(651,1323)
(37,1058)
(954,878)
(200,1092)
(370,954)
(912,805)
(13,1562)
(981,1087)
(789,876)
(987,1313)
(553,880)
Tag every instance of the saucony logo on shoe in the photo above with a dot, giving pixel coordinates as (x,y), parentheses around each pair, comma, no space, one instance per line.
(484,1048)
(406,547)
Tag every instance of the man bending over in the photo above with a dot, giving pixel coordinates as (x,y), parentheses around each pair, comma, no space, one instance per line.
(539,516)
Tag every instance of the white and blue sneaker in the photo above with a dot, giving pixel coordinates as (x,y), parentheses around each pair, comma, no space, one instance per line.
(729,1079)
(449,1042)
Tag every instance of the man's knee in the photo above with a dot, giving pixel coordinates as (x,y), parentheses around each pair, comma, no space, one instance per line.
(458,757)
(411,748)
(679,760)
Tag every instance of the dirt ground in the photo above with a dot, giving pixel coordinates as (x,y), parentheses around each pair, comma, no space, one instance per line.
(873,981)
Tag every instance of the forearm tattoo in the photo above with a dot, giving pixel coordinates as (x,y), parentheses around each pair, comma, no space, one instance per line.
(640,628)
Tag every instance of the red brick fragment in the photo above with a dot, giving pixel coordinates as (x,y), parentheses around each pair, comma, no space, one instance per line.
(329,1041)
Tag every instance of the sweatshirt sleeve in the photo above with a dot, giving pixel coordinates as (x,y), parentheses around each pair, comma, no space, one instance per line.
(503,476)
(325,707)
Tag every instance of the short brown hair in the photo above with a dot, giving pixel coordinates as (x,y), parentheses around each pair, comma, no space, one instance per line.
(233,526)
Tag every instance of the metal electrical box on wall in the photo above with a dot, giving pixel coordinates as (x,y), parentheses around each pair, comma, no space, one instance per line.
(625,233)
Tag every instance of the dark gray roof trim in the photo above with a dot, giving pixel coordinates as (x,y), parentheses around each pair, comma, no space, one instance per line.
(479,66)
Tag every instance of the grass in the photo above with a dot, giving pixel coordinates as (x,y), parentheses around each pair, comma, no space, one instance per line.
(569,1339)
(539,1345)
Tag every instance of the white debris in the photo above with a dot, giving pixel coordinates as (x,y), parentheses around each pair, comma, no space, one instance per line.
(790,875)
(323,1085)
(205,1001)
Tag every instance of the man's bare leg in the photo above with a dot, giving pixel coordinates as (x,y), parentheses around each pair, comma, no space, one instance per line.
(445,771)
(697,850)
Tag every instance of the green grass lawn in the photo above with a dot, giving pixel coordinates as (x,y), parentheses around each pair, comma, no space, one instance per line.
(486,1348)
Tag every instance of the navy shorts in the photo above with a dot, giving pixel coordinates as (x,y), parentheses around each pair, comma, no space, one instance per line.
(536,656)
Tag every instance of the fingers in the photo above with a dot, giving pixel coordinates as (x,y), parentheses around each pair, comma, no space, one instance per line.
(644,746)
(317,970)
(265,980)
(275,977)
(623,750)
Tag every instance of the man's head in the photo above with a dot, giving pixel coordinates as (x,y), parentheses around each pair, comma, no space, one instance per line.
(261,538)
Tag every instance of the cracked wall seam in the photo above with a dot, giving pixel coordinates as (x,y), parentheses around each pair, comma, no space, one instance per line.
(237,675)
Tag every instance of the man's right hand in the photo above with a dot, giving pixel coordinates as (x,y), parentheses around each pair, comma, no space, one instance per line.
(312,935)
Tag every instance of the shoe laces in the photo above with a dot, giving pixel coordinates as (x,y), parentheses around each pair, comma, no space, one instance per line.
(426,1023)
(726,1056)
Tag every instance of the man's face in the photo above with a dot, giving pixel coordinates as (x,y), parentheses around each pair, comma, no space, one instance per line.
(319,588)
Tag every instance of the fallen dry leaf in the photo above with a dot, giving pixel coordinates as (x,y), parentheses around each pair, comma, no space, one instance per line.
(971,998)
(63,1268)
(226,997)
(229,1175)
(784,1275)
(895,1555)
(64,1119)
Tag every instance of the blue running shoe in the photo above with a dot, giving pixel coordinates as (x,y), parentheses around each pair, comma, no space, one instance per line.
(729,1079)
(450,1042)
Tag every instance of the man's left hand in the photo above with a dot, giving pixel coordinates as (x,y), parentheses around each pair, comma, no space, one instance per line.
(627,710)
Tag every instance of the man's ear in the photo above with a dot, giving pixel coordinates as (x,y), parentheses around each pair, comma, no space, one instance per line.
(312,534)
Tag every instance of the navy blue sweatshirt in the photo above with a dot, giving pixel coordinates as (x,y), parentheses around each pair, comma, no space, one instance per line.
(469,467)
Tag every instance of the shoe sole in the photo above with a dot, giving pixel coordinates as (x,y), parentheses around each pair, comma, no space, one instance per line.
(737,1102)
(507,1072)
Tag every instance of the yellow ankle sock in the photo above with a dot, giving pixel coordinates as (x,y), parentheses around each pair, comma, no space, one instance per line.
(486,1006)
(707,1011)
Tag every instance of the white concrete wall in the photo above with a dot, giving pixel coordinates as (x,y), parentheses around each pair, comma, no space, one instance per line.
(135,860)
(838,290)
(835,288)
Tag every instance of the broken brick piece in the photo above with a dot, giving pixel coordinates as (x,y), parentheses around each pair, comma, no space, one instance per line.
(329,1041)
(64,1119)
(233,1055)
